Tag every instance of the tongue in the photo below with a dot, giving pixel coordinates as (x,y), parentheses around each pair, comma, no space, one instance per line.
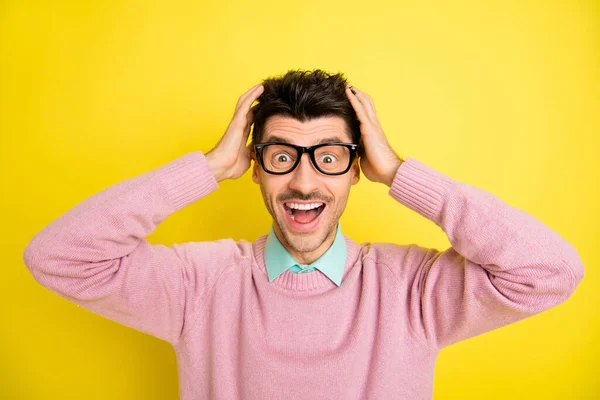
(305,216)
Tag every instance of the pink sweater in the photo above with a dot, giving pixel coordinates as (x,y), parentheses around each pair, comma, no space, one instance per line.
(238,336)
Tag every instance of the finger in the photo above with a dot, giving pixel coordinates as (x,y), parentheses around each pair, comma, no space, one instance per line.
(253,94)
(362,96)
(366,100)
(369,98)
(359,108)
(243,124)
(246,131)
(243,96)
(249,119)
(244,109)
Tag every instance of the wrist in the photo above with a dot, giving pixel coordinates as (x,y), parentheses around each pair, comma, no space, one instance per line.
(216,167)
(393,173)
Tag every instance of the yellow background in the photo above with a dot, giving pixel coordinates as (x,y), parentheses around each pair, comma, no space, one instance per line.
(503,95)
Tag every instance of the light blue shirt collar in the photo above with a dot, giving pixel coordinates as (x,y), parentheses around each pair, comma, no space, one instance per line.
(331,263)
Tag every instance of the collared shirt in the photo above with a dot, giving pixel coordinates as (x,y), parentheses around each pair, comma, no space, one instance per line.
(331,263)
(401,304)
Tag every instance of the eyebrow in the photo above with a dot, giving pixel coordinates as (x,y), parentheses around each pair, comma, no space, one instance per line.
(334,139)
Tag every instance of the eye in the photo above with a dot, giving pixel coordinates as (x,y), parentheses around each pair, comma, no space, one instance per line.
(328,159)
(281,157)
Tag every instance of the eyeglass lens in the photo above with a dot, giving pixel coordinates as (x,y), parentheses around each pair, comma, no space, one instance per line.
(281,158)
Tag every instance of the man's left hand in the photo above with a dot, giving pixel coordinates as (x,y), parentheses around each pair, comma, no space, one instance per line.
(378,161)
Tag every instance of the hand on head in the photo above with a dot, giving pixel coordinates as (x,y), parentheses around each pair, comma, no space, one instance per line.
(378,161)
(230,158)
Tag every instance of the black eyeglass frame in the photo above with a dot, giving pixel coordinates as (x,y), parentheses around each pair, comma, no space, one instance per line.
(300,150)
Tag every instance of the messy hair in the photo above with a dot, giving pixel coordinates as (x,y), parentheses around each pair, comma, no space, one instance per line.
(305,95)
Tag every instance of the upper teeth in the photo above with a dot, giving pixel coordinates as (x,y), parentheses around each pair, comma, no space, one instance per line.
(299,206)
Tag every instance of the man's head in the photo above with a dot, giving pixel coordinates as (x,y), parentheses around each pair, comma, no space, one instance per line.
(305,95)
(304,108)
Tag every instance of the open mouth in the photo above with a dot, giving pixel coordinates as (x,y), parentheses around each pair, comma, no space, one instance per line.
(303,213)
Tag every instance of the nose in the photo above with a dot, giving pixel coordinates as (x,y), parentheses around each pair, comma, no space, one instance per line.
(305,177)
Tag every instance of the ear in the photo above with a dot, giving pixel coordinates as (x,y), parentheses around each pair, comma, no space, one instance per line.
(255,169)
(355,171)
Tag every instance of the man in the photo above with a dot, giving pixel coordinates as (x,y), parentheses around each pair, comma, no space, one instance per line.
(305,312)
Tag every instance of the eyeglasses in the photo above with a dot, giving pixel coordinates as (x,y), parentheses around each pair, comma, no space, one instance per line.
(329,158)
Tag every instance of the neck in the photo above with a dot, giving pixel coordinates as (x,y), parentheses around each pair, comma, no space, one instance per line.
(309,257)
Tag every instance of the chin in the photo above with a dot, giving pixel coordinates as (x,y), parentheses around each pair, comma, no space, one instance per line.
(304,242)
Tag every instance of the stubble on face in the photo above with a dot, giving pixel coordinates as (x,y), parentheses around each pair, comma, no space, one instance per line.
(305,242)
(334,191)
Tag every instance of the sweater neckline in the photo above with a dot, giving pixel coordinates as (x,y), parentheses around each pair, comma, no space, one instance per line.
(307,281)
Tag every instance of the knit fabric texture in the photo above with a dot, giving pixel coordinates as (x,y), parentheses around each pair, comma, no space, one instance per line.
(238,335)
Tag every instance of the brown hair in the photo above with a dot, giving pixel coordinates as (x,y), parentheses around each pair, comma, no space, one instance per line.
(305,95)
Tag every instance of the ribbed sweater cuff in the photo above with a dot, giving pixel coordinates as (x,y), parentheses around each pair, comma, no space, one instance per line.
(420,188)
(186,180)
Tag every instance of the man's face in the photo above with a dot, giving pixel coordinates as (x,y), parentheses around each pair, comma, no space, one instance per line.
(305,184)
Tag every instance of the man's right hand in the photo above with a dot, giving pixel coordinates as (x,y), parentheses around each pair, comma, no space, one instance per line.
(231,158)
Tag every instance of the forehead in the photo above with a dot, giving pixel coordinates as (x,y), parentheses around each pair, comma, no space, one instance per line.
(308,132)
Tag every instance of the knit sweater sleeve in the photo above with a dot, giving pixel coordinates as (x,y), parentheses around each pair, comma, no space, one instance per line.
(96,254)
(503,264)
